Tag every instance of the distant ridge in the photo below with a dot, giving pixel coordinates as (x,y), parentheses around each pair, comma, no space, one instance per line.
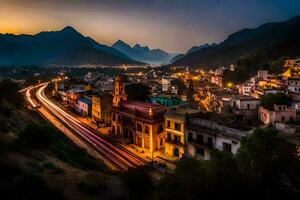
(143,54)
(64,47)
(268,41)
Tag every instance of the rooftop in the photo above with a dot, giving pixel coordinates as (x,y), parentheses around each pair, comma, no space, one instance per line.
(142,110)
(85,100)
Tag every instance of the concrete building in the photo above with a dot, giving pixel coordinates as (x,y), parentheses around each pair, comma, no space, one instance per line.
(175,123)
(140,122)
(294,88)
(205,134)
(247,107)
(280,113)
(73,95)
(84,106)
(101,108)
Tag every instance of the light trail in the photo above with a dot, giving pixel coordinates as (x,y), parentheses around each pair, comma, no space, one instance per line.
(116,154)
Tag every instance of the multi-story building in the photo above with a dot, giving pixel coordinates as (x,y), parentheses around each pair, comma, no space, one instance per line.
(84,106)
(247,107)
(205,134)
(140,122)
(280,113)
(175,123)
(73,95)
(294,88)
(101,108)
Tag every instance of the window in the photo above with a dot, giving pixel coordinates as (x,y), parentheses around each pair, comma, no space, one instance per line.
(160,128)
(226,147)
(200,139)
(119,118)
(177,139)
(113,130)
(200,151)
(248,106)
(161,142)
(113,117)
(209,141)
(169,136)
(146,129)
(168,124)
(177,126)
(139,127)
(190,137)
(283,119)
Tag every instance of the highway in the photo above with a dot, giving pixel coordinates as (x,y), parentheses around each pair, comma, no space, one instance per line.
(121,158)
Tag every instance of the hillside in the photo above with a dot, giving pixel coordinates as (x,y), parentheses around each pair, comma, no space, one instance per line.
(48,48)
(266,42)
(37,161)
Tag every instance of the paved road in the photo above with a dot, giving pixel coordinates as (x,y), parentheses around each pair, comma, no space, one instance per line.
(121,158)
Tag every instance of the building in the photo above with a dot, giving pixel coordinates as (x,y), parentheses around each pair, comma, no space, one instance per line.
(294,88)
(175,123)
(101,108)
(84,106)
(280,113)
(262,74)
(73,95)
(166,84)
(167,100)
(247,107)
(207,133)
(140,122)
(119,94)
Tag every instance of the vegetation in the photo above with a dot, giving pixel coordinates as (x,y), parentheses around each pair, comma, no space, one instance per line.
(139,183)
(268,101)
(138,92)
(45,137)
(9,93)
(266,166)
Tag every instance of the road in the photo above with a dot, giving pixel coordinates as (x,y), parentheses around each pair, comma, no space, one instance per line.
(121,158)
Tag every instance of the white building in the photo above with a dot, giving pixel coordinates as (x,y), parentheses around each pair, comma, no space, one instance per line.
(84,106)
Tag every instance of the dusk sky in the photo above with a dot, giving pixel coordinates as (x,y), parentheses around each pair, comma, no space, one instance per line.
(172,25)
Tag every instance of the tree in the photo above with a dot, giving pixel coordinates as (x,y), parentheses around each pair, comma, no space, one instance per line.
(268,101)
(138,92)
(9,93)
(138,182)
(270,162)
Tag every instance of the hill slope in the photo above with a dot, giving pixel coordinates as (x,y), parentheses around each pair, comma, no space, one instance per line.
(243,43)
(50,47)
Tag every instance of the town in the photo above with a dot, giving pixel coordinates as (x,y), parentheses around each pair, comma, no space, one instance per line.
(184,113)
(151,100)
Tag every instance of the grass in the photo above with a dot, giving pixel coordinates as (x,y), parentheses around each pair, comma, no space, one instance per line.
(39,136)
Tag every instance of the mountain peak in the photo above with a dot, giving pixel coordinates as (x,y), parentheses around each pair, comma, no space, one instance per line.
(139,47)
(120,43)
(69,29)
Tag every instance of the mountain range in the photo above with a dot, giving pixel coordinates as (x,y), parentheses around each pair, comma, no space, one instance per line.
(250,49)
(143,54)
(191,50)
(64,47)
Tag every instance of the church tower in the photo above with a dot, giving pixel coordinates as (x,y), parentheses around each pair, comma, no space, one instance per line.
(119,91)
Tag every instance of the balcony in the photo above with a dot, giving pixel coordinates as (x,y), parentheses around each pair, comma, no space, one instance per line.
(176,142)
(201,143)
